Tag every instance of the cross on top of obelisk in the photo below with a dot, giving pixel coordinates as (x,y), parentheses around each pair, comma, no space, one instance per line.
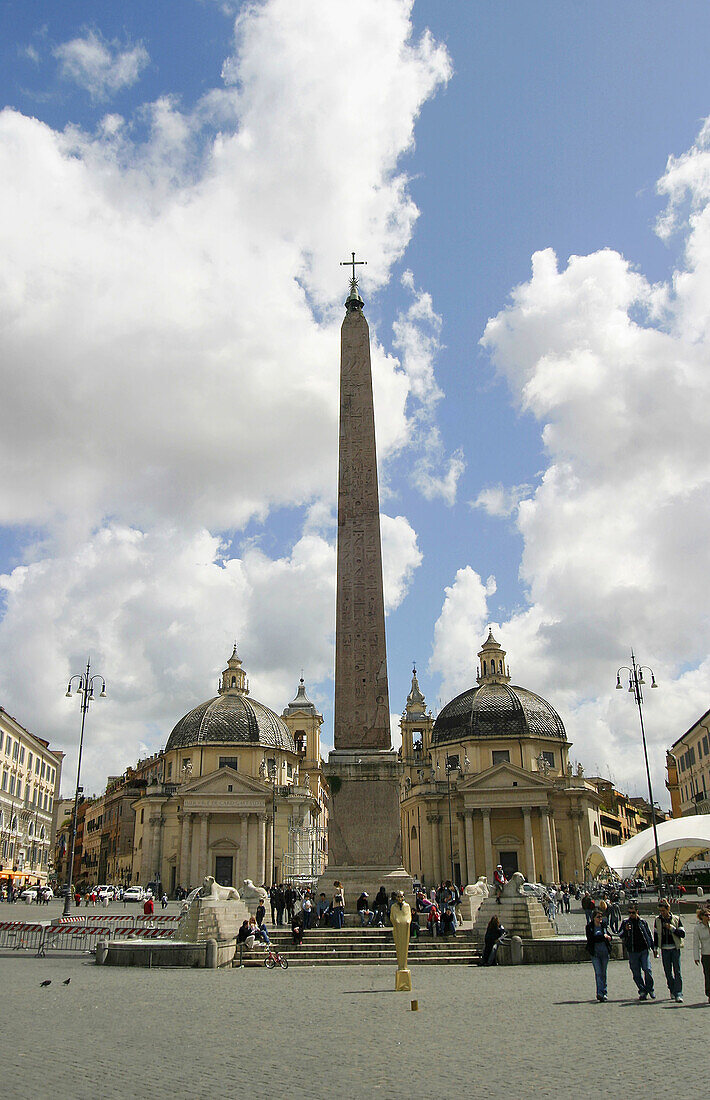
(354,301)
(353,263)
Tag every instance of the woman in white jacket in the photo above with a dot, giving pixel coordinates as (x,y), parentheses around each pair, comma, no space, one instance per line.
(701,946)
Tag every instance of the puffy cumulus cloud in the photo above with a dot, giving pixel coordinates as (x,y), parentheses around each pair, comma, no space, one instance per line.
(157,612)
(616,371)
(459,631)
(99,66)
(178,298)
(400,557)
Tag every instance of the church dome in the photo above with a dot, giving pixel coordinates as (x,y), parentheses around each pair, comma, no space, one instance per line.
(495,708)
(230,718)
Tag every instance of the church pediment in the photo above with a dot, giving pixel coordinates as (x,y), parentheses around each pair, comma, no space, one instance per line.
(503,777)
(219,782)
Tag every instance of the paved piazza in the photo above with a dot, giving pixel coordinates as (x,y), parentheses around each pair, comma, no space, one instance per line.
(316,1032)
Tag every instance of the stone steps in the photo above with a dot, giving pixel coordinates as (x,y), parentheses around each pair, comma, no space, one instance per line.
(370,946)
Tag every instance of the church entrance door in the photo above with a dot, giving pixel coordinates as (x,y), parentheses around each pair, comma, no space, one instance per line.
(509,862)
(223,870)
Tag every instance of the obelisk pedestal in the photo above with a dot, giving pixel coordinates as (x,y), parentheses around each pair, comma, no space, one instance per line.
(363,772)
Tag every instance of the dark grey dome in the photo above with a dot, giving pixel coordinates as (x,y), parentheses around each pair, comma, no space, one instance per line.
(497,710)
(231,719)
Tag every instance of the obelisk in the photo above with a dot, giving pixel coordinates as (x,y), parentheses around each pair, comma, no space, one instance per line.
(363,771)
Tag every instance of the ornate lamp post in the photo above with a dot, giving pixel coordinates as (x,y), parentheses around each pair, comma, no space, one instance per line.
(84,688)
(636,681)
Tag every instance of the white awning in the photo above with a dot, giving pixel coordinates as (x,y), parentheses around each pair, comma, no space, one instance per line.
(680,839)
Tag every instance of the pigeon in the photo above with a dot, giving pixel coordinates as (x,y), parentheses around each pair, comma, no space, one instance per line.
(66,982)
(47,982)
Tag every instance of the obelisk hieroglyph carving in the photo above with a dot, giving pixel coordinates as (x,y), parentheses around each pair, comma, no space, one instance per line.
(364,834)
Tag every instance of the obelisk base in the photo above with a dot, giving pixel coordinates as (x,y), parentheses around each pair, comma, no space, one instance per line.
(364,837)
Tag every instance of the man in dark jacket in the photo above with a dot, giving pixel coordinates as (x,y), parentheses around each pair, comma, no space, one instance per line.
(638,941)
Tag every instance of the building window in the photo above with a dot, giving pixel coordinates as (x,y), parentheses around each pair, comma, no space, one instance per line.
(8,744)
(170,769)
(12,784)
(229,762)
(549,758)
(414,832)
(501,756)
(29,761)
(141,817)
(453,761)
(44,770)
(706,745)
(22,754)
(15,750)
(4,781)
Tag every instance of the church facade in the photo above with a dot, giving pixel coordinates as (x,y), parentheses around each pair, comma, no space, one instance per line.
(238,793)
(489,781)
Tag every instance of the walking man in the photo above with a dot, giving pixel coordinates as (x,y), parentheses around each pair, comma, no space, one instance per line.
(638,941)
(668,936)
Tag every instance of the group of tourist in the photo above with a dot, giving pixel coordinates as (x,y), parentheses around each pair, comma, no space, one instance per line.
(668,938)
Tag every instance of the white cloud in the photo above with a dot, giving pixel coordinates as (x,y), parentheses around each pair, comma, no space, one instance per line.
(99,66)
(616,371)
(459,631)
(499,500)
(400,557)
(170,311)
(416,337)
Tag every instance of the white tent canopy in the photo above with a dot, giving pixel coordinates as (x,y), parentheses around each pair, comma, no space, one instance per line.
(680,839)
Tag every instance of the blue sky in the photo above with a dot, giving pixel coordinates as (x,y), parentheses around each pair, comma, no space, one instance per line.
(172,297)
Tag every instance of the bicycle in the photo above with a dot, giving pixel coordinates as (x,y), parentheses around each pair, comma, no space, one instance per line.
(273,958)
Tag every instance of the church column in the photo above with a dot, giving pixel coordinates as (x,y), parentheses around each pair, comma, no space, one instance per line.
(244,846)
(470,851)
(529,849)
(269,849)
(488,844)
(433,820)
(186,830)
(202,865)
(578,847)
(260,849)
(546,833)
(556,874)
(462,849)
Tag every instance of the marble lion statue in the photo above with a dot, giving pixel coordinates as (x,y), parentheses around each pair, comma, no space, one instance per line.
(479,888)
(249,891)
(212,889)
(514,885)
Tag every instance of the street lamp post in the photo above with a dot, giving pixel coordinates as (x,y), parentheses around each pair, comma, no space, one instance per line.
(451,767)
(85,688)
(636,681)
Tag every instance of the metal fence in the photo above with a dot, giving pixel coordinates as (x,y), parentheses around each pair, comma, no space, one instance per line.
(79,936)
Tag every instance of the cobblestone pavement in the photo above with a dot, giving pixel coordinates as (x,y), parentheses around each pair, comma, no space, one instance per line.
(322,1031)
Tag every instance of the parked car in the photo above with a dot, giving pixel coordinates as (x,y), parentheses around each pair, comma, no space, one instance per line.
(134,893)
(106,892)
(30,894)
